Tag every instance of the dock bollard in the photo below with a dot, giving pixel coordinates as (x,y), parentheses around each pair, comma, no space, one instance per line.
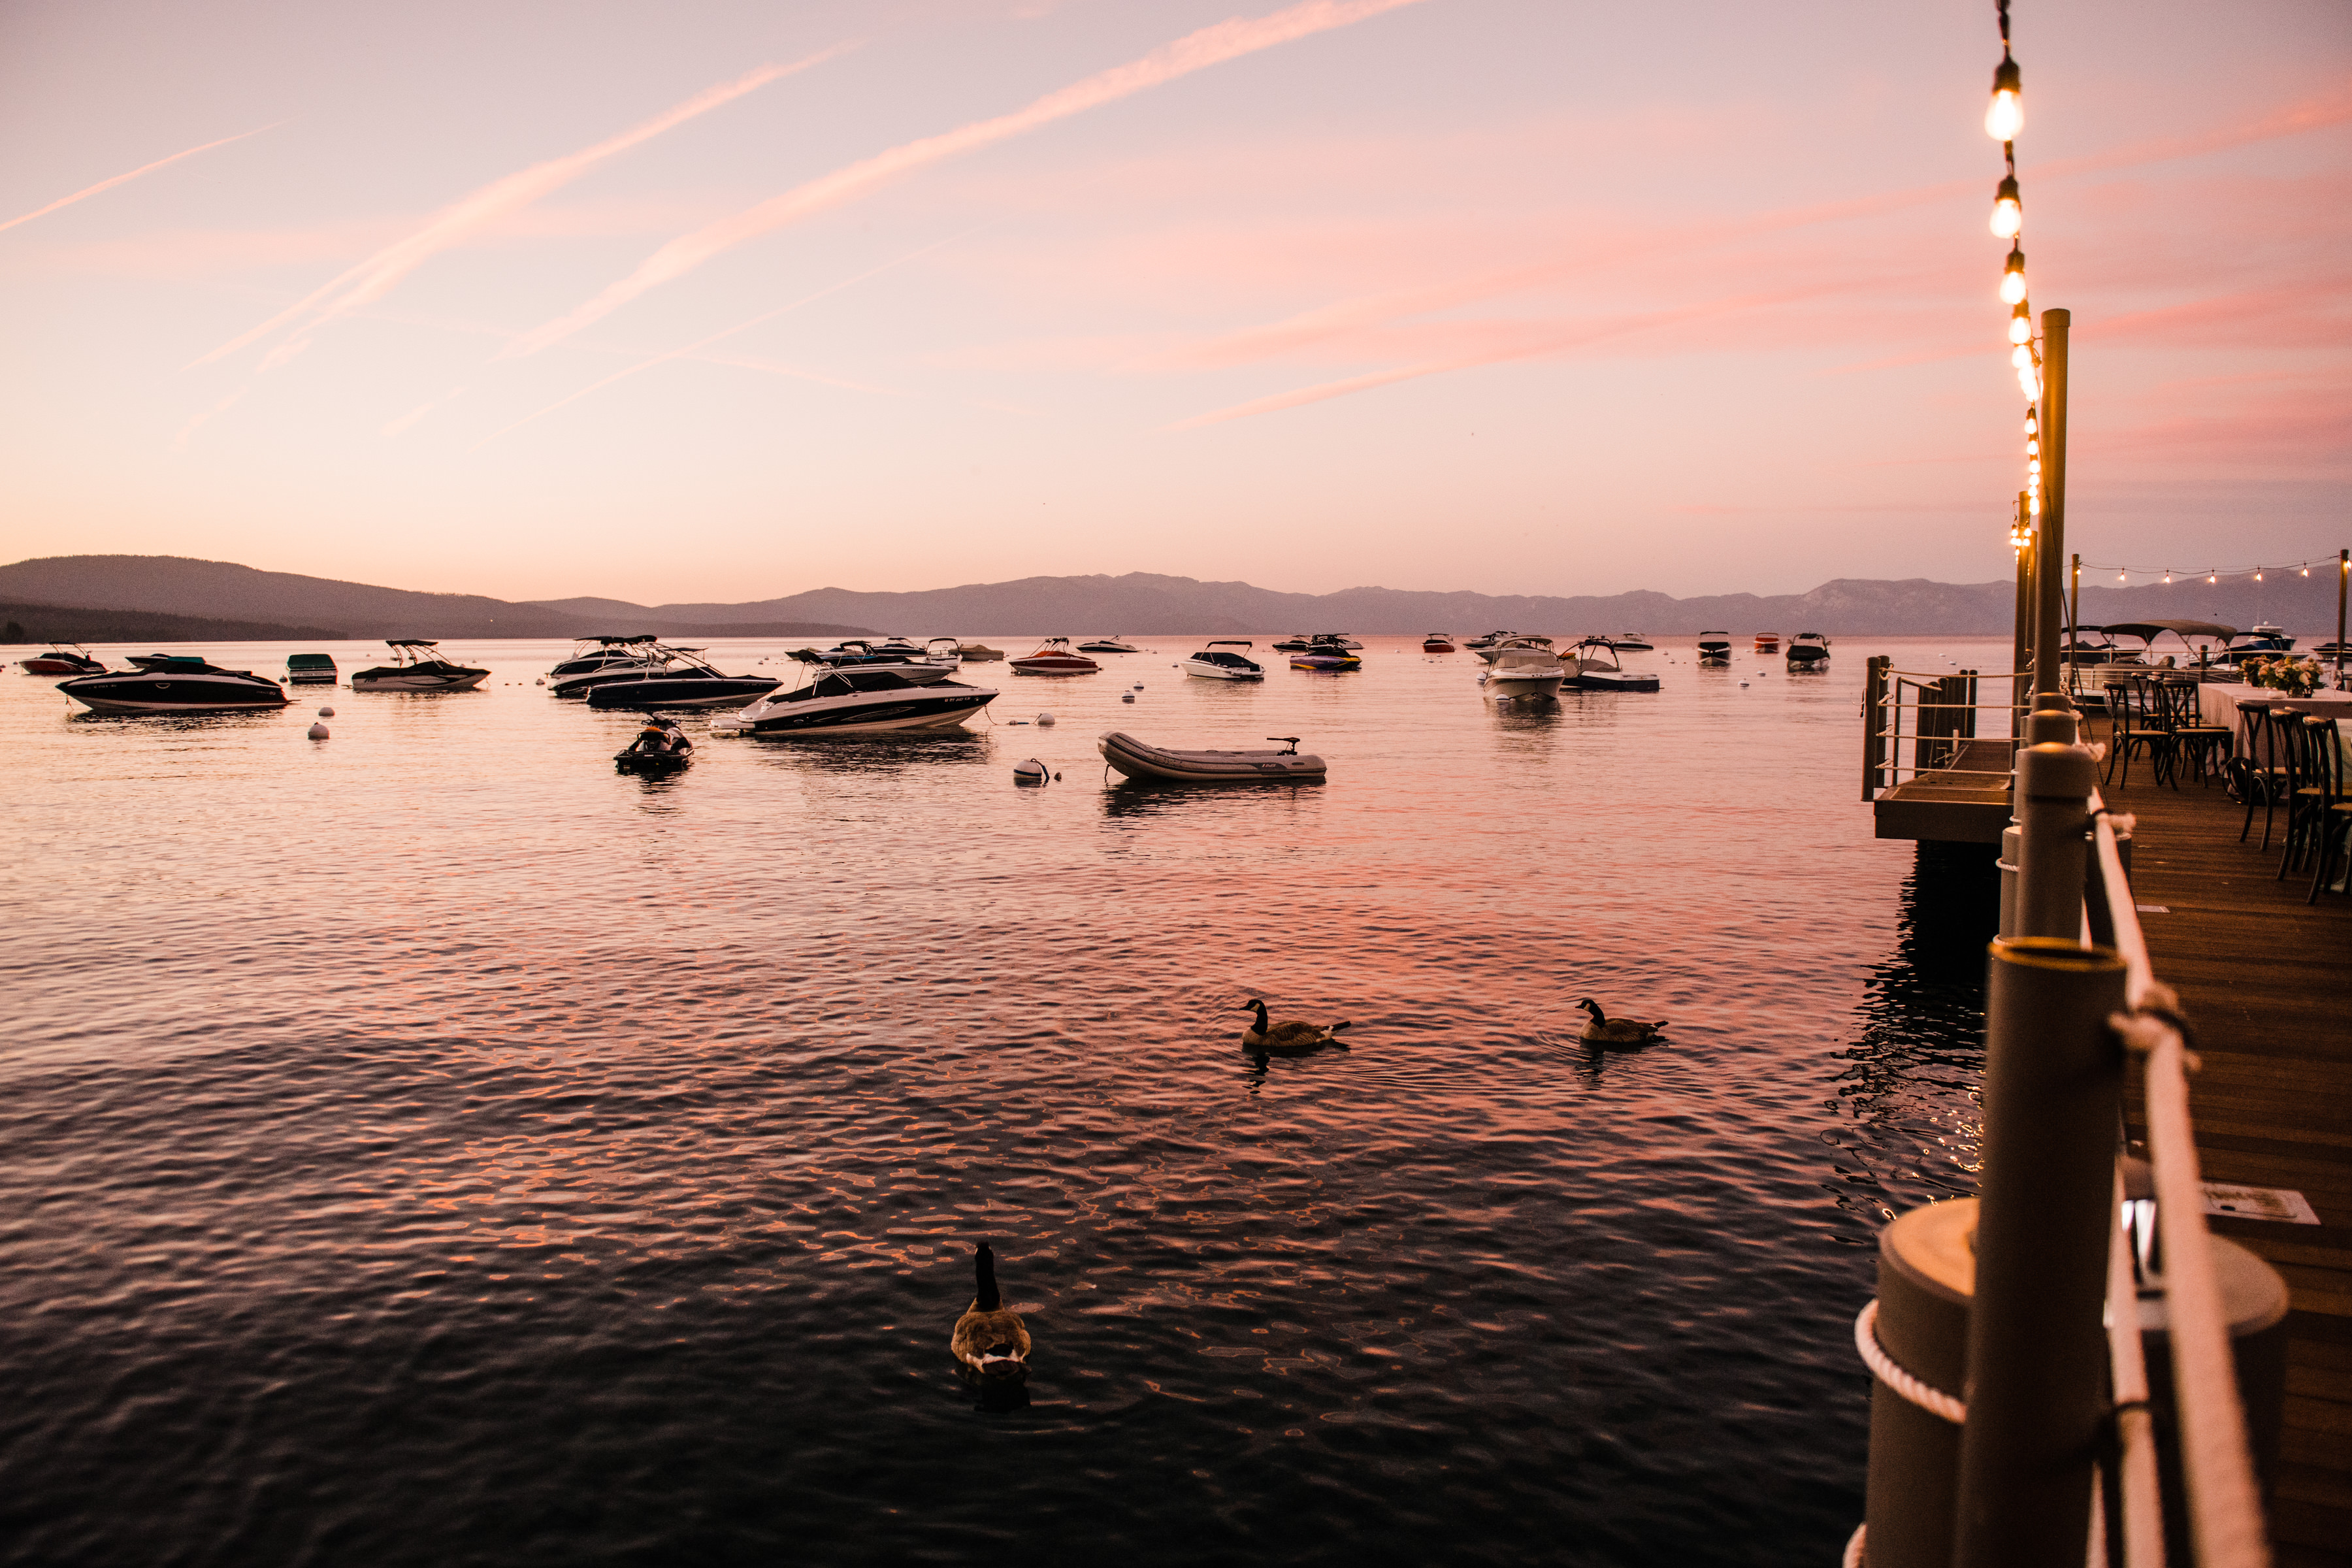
(1926,1273)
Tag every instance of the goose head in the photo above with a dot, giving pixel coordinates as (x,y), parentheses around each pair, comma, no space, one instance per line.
(1254,1004)
(1590,1005)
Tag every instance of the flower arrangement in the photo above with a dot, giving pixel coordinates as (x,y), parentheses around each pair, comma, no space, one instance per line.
(2286,674)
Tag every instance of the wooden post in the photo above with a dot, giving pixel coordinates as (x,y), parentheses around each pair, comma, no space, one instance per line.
(2343,576)
(2022,638)
(2054,717)
(1874,745)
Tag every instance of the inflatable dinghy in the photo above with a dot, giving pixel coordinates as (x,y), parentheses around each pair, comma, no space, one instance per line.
(1138,760)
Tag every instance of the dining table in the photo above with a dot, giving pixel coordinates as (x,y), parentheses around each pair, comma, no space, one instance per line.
(2217,704)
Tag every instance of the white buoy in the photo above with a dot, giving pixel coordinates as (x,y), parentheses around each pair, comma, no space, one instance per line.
(326,712)
(1139,686)
(1045,718)
(1743,686)
(1032,772)
(318,731)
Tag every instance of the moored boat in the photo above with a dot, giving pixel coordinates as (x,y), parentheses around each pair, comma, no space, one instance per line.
(1632,641)
(978,652)
(1714,648)
(1138,760)
(1108,644)
(685,680)
(661,747)
(1054,656)
(856,702)
(597,659)
(417,666)
(1212,663)
(1809,650)
(181,683)
(1490,640)
(1768,642)
(1525,670)
(1592,666)
(1519,641)
(63,659)
(1437,642)
(310,669)
(1328,653)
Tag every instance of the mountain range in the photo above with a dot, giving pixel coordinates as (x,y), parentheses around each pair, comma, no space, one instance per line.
(1137,602)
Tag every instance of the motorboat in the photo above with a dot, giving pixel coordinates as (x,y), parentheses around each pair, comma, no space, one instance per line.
(1714,648)
(2195,656)
(597,659)
(1054,656)
(1768,642)
(687,680)
(1522,671)
(1477,644)
(310,669)
(1515,641)
(416,666)
(154,660)
(1212,663)
(1592,667)
(1303,642)
(1329,653)
(661,747)
(2259,642)
(1108,644)
(978,652)
(897,654)
(2086,645)
(181,683)
(1632,642)
(63,659)
(1437,642)
(1809,650)
(1138,761)
(856,702)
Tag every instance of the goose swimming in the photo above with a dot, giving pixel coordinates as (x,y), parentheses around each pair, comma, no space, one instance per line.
(1289,1036)
(1603,1030)
(989,1338)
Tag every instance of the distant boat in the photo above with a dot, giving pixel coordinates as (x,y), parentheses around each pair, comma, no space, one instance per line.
(1516,640)
(1768,642)
(1523,669)
(1138,761)
(1212,664)
(1714,648)
(310,669)
(1302,642)
(597,659)
(1054,657)
(1108,644)
(857,701)
(417,666)
(63,659)
(1328,653)
(1436,642)
(1809,650)
(1490,640)
(978,653)
(1592,667)
(689,680)
(181,683)
(1633,640)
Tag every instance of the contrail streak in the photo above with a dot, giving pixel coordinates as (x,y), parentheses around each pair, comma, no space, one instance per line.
(1211,46)
(142,169)
(700,344)
(376,277)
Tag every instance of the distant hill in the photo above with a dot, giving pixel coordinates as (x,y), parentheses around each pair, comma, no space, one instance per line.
(65,623)
(1139,602)
(177,585)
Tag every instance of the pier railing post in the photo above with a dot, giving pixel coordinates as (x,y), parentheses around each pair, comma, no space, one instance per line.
(1873,724)
(2053,1088)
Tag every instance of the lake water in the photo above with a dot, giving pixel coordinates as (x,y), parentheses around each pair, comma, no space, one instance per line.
(428,1146)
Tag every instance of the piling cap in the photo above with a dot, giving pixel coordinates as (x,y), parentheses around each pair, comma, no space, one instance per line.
(2053,771)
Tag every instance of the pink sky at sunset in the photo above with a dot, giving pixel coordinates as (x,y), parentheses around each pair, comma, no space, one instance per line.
(732,301)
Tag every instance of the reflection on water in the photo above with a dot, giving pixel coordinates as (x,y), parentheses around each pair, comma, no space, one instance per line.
(1912,1082)
(427,1146)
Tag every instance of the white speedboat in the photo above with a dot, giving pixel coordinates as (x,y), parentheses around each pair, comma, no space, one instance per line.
(687,680)
(1212,664)
(1140,760)
(907,661)
(1108,644)
(417,667)
(1517,672)
(1476,644)
(1714,648)
(596,660)
(1635,641)
(175,683)
(1592,667)
(1515,642)
(1054,657)
(859,702)
(1809,650)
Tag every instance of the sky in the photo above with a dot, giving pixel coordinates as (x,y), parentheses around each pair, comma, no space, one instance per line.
(729,302)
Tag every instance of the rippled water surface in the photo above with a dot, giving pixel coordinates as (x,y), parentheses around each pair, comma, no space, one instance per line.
(428,1146)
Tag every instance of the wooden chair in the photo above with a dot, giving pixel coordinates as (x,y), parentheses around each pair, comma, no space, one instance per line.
(2136,724)
(2259,775)
(2332,818)
(2305,796)
(2194,741)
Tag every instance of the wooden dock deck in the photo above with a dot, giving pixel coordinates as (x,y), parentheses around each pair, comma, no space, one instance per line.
(2267,981)
(1964,802)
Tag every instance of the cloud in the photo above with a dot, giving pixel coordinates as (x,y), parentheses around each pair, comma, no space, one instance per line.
(380,273)
(142,169)
(1210,45)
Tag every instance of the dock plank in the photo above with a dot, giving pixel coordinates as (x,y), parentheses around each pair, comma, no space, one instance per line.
(2261,976)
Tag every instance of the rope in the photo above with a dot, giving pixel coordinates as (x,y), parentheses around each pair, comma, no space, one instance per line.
(1933,1401)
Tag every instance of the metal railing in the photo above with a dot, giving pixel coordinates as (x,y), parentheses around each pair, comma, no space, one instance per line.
(2060,1261)
(1943,715)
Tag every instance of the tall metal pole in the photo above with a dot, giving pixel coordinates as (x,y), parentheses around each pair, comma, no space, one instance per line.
(2343,576)
(2022,638)
(2053,718)
(2073,620)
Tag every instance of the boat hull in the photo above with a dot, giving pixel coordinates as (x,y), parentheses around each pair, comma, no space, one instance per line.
(1138,761)
(1055,664)
(1508,688)
(862,713)
(51,664)
(1603,680)
(1325,663)
(679,692)
(219,692)
(454,679)
(1221,672)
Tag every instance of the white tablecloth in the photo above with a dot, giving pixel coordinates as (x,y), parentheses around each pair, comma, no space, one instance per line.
(2217,704)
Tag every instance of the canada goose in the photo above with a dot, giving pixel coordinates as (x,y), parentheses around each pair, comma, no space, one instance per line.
(1603,1030)
(989,1337)
(1290,1036)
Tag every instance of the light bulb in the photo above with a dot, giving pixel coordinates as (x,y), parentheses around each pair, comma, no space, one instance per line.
(2028,384)
(2012,278)
(2211,577)
(2020,329)
(2120,577)
(2033,465)
(2033,504)
(2258,576)
(2167,576)
(2021,357)
(2306,571)
(2034,445)
(2005,116)
(2032,419)
(2008,208)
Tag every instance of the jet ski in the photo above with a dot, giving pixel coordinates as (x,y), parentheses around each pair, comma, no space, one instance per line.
(660,747)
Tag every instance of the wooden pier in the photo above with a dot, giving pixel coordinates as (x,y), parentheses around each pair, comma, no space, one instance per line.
(1963,802)
(2267,981)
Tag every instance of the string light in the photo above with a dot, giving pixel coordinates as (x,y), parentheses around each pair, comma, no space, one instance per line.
(2012,278)
(2005,116)
(2008,208)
